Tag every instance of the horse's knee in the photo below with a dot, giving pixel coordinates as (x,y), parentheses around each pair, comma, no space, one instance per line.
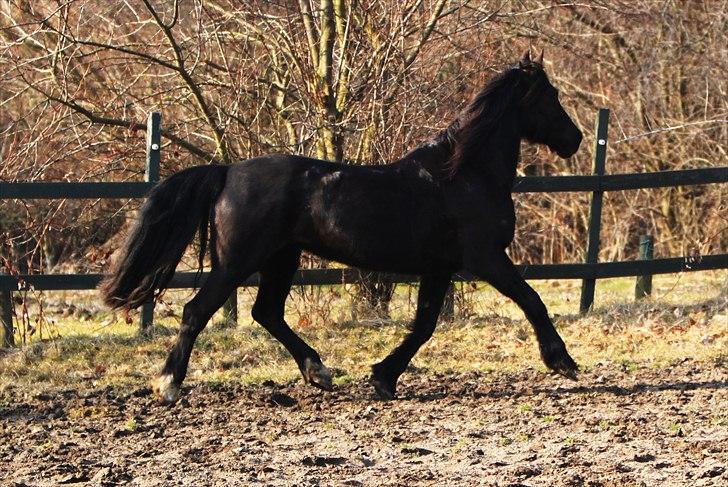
(263,314)
(258,313)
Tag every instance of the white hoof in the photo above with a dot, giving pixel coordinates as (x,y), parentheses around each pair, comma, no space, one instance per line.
(165,390)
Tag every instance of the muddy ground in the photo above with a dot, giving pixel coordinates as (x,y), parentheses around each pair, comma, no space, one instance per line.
(615,426)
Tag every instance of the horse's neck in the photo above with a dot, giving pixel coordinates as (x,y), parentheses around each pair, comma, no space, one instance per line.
(496,161)
(500,158)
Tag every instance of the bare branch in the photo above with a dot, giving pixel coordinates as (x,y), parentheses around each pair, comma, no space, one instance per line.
(192,85)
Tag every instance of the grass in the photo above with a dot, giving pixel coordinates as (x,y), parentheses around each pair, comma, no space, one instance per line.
(687,318)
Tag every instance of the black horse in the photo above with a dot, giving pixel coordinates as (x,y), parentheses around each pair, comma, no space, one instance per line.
(443,207)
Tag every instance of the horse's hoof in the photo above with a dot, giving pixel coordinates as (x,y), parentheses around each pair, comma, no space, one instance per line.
(384,386)
(572,374)
(385,391)
(165,389)
(559,360)
(316,374)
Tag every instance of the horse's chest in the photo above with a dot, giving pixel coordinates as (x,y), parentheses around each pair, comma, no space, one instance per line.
(492,220)
(503,224)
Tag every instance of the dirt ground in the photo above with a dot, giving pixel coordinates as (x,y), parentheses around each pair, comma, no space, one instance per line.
(615,426)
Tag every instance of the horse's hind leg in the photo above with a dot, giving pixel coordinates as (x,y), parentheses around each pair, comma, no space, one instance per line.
(213,293)
(276,277)
(429,302)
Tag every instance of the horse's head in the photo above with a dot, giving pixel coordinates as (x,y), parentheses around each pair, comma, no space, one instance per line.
(542,118)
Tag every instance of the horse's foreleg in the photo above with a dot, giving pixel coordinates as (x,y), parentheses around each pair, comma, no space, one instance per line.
(276,277)
(195,316)
(429,301)
(497,269)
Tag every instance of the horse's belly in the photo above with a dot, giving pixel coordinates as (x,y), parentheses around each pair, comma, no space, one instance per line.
(383,244)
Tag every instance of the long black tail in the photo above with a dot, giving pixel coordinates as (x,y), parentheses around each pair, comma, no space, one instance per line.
(175,209)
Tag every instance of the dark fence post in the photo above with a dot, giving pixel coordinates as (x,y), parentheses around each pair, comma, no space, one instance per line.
(643,286)
(230,309)
(6,319)
(151,175)
(154,141)
(595,209)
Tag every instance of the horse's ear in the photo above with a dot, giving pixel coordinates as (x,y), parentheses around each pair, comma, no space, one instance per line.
(539,59)
(526,59)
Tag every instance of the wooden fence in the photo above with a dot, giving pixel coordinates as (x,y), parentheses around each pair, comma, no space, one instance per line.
(589,271)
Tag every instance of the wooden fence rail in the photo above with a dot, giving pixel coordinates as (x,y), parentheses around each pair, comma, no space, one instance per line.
(529,184)
(330,277)
(597,184)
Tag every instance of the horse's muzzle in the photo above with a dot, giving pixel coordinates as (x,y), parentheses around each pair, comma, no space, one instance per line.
(569,148)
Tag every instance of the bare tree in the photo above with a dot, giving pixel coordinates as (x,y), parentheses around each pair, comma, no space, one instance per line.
(360,82)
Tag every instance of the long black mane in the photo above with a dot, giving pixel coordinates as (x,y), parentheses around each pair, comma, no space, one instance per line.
(464,137)
(482,116)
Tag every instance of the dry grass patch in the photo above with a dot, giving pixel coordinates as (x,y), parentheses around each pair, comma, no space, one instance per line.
(493,335)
